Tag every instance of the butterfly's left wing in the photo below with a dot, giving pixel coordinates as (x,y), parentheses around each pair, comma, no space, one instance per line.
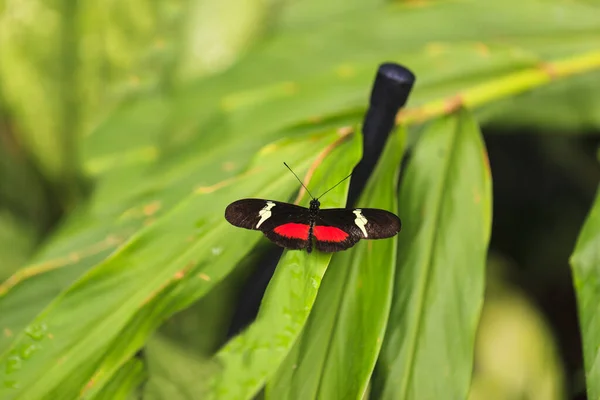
(285,224)
(340,228)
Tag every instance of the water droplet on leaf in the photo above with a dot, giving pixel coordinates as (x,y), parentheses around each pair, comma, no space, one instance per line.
(36,331)
(13,363)
(28,350)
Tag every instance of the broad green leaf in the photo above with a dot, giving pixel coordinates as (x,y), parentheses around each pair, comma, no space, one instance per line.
(184,253)
(444,202)
(585,264)
(251,358)
(336,353)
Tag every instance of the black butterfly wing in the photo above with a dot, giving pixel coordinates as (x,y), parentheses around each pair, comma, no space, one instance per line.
(285,224)
(340,228)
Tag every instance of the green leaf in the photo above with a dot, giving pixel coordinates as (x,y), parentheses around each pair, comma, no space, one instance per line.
(444,201)
(336,353)
(185,252)
(251,358)
(124,384)
(585,263)
(561,106)
(16,243)
(175,372)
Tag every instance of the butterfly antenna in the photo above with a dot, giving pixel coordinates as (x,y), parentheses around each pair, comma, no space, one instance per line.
(331,188)
(288,167)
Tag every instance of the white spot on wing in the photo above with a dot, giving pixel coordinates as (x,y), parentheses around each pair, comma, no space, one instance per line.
(265,213)
(360,221)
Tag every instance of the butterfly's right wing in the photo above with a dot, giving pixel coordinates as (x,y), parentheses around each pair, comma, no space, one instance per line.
(341,228)
(284,224)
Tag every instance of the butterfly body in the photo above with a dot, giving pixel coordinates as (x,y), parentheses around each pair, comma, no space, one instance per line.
(297,228)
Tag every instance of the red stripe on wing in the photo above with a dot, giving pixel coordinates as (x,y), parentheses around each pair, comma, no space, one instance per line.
(329,234)
(293,231)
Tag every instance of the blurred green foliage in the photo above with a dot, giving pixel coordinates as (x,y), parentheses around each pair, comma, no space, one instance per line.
(127,127)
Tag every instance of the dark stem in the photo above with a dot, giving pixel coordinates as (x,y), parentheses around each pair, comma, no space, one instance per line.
(391,88)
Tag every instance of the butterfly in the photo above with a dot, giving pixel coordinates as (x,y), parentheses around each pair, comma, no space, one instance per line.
(296,228)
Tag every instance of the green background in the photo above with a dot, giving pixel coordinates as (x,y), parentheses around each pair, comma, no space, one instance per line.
(127,127)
